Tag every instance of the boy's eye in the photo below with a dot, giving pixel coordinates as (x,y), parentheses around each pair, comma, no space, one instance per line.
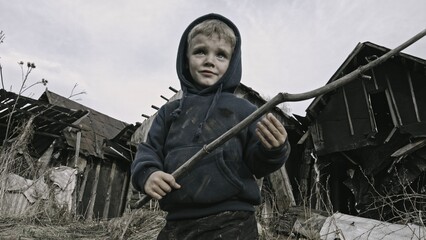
(222,56)
(199,52)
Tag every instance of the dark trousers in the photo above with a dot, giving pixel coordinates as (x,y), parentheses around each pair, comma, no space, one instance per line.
(227,225)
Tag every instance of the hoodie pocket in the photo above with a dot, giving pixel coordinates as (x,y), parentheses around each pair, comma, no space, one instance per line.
(209,181)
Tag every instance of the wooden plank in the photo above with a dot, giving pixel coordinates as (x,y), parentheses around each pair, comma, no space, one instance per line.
(348,113)
(393,100)
(41,133)
(41,117)
(102,189)
(83,187)
(304,172)
(80,203)
(109,191)
(124,193)
(77,149)
(413,95)
(373,75)
(282,188)
(391,109)
(409,148)
(92,200)
(373,123)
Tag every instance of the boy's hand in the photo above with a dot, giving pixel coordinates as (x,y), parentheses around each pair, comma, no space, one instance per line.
(159,184)
(271,132)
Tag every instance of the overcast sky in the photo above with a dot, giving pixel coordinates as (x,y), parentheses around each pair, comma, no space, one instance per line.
(122,53)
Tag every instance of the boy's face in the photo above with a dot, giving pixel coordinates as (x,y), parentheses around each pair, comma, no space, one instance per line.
(208,58)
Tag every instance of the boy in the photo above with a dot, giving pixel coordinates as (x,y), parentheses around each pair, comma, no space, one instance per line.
(216,199)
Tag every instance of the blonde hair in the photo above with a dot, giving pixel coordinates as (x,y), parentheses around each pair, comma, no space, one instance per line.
(209,27)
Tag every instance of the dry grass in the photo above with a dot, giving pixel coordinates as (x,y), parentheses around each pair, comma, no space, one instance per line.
(44,219)
(43,226)
(139,224)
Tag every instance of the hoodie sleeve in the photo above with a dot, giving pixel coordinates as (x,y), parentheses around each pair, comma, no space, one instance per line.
(263,161)
(149,156)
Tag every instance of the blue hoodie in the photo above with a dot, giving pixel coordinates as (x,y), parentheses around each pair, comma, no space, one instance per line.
(225,179)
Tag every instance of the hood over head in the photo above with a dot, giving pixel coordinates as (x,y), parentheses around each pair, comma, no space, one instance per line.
(227,83)
(232,77)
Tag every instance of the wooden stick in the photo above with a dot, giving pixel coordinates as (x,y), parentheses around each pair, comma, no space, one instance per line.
(280,98)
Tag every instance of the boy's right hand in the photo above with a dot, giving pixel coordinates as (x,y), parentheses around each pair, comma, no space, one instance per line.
(159,184)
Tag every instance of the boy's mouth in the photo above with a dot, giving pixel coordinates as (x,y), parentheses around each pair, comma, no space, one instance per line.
(206,72)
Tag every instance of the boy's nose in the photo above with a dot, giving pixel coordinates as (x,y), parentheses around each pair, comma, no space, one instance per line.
(209,61)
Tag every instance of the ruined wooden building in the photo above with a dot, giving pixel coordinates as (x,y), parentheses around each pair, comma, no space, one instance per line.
(365,148)
(91,148)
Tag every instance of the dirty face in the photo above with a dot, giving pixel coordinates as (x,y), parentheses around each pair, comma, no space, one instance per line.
(208,58)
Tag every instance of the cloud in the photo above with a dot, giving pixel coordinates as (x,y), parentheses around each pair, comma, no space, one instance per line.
(123,53)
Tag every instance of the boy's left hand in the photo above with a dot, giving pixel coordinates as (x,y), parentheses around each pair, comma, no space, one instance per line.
(271,132)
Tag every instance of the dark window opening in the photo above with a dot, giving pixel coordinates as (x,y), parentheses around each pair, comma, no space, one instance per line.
(382,114)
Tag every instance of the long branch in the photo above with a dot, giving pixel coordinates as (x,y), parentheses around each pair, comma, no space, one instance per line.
(280,98)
